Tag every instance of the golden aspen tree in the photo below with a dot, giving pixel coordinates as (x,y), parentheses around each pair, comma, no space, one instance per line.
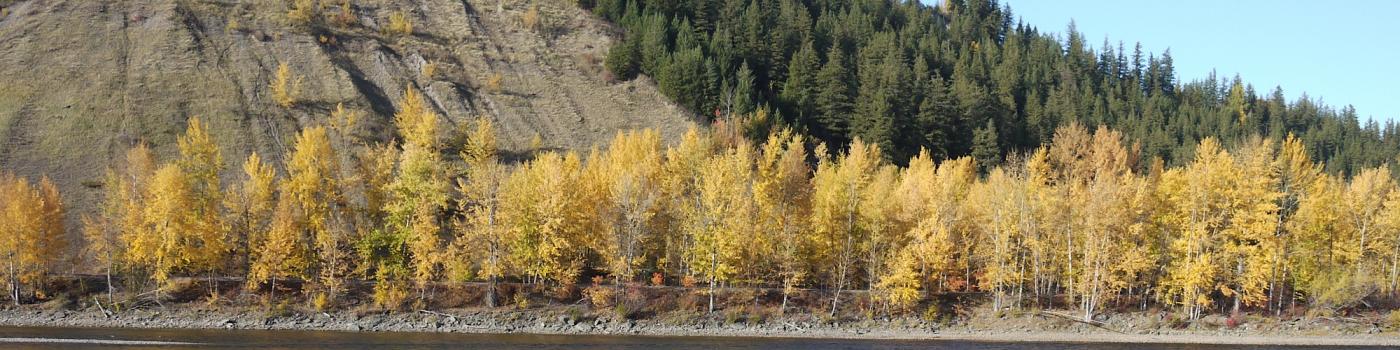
(679,183)
(374,168)
(131,185)
(160,248)
(32,233)
(994,204)
(52,239)
(885,234)
(482,233)
(122,218)
(1297,172)
(1363,204)
(283,251)
(1037,230)
(719,222)
(533,201)
(313,184)
(1105,219)
(1198,206)
(836,199)
(901,283)
(1138,248)
(206,247)
(18,213)
(102,247)
(1315,262)
(631,166)
(250,206)
(418,193)
(102,232)
(937,237)
(1249,247)
(782,196)
(1389,244)
(582,195)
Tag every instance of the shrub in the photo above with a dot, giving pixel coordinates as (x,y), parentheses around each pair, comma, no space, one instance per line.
(346,17)
(1393,319)
(320,302)
(399,24)
(531,18)
(429,70)
(522,301)
(285,87)
(493,82)
(657,279)
(303,12)
(599,295)
(233,26)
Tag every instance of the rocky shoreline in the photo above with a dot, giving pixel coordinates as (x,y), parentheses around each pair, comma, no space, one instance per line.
(567,321)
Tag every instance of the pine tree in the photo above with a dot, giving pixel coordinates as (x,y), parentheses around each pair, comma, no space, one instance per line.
(800,89)
(834,98)
(622,60)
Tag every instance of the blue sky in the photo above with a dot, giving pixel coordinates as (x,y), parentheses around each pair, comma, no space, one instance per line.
(1345,52)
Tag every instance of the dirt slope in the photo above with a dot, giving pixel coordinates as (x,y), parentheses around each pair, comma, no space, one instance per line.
(82,80)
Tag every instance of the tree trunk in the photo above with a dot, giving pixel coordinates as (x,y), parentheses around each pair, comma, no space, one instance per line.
(491,293)
(110,298)
(14,283)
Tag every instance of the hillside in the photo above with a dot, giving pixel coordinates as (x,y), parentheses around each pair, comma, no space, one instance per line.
(85,80)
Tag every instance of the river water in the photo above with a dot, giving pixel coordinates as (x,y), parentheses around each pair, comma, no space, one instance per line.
(97,338)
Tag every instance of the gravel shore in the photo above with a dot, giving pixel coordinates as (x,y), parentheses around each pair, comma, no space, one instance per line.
(1022,328)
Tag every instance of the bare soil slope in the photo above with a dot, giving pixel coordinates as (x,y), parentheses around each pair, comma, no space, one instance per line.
(81,81)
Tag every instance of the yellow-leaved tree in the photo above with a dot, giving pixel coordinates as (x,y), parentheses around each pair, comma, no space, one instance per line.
(167,229)
(1250,245)
(680,195)
(206,246)
(837,187)
(719,222)
(283,249)
(1199,202)
(482,235)
(418,193)
(630,168)
(32,233)
(533,204)
(782,195)
(250,205)
(313,185)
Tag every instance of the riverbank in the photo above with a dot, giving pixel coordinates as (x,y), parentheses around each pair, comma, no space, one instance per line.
(1025,327)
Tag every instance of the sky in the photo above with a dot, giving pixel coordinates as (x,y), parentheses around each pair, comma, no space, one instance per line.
(1343,52)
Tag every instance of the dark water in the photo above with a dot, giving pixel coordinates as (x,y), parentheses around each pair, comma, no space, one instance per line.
(78,338)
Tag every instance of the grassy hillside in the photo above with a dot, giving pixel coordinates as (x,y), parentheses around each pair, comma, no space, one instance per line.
(85,80)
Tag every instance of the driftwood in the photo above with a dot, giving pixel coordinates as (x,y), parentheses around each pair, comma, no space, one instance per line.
(99,307)
(1098,324)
